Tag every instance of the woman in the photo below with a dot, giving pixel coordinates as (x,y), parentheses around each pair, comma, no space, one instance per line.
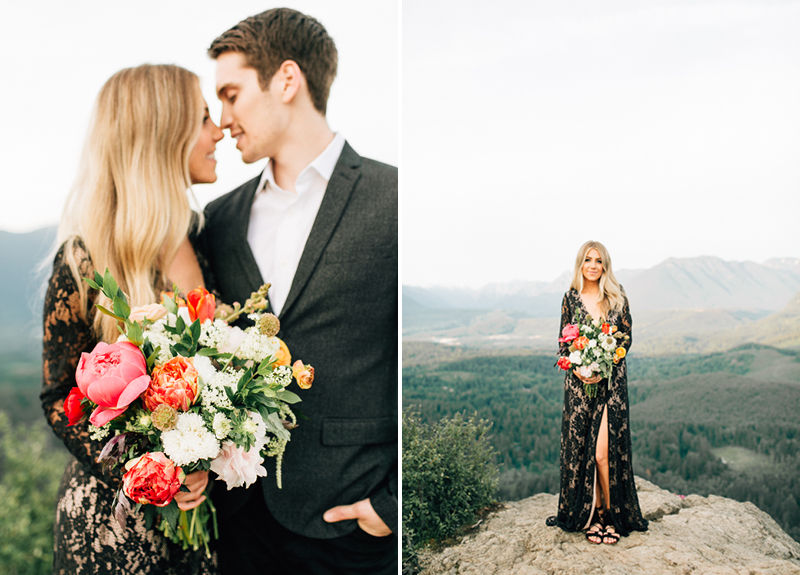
(150,138)
(598,493)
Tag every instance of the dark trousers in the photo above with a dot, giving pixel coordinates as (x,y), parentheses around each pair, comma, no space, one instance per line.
(253,542)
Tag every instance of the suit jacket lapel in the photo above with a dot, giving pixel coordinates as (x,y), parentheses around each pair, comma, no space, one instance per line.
(240,219)
(344,178)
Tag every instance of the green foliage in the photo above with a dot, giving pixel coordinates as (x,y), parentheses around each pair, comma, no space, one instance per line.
(30,472)
(448,474)
(684,409)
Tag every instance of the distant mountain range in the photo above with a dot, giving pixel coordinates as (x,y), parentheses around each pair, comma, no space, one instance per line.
(676,283)
(695,305)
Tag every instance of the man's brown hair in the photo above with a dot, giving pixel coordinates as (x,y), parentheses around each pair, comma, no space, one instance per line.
(268,39)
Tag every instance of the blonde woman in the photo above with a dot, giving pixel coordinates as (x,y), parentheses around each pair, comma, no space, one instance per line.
(150,138)
(597,493)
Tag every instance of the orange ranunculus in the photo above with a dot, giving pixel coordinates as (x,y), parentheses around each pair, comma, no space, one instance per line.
(620,353)
(613,329)
(304,374)
(283,356)
(152,479)
(174,383)
(581,342)
(201,304)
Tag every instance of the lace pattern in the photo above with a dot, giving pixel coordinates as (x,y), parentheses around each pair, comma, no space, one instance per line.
(580,426)
(87,538)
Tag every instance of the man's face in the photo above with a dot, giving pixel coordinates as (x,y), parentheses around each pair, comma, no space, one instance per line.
(257,119)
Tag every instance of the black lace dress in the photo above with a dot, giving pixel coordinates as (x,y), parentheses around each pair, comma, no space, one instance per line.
(580,426)
(87,538)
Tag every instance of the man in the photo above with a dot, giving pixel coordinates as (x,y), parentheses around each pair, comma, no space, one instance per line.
(320,224)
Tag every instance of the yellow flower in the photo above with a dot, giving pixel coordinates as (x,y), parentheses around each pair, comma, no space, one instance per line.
(620,352)
(283,356)
(304,374)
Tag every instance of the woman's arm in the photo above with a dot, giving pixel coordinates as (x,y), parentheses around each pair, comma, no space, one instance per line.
(66,335)
(626,324)
(566,317)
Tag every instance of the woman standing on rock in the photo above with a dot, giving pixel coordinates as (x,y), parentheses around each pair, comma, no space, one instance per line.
(597,493)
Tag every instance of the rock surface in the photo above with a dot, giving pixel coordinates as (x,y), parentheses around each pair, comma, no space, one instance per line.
(696,535)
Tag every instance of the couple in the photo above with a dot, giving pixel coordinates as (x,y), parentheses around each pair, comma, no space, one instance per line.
(320,224)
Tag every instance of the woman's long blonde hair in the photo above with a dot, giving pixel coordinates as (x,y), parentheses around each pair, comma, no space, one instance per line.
(129,202)
(611,293)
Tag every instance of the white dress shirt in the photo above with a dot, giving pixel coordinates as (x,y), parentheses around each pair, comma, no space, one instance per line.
(281,221)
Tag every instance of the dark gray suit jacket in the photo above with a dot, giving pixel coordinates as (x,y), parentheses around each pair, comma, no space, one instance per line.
(341,317)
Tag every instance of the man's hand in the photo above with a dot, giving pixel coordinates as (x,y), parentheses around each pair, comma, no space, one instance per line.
(368,520)
(196,482)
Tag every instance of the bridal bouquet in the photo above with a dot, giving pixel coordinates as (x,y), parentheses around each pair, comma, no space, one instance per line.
(594,348)
(180,391)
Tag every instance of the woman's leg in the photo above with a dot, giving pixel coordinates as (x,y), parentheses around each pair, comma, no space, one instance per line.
(601,457)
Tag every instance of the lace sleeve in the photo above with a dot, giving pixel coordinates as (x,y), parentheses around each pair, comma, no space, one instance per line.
(566,317)
(626,323)
(66,335)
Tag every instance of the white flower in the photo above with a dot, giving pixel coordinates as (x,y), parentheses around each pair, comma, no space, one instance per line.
(237,467)
(214,334)
(213,396)
(184,313)
(607,342)
(281,374)
(162,340)
(190,441)
(260,431)
(235,338)
(257,346)
(222,425)
(98,433)
(592,343)
(585,371)
(575,358)
(205,368)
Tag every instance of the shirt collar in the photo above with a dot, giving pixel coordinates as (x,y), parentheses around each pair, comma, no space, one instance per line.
(323,164)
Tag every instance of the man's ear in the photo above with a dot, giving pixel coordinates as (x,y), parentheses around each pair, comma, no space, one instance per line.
(290,79)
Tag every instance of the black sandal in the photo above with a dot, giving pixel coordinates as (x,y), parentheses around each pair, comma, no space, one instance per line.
(599,534)
(610,535)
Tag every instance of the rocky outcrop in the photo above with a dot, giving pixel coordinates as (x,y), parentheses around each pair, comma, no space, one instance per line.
(696,535)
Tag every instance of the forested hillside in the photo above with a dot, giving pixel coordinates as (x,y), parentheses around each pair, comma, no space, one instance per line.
(722,423)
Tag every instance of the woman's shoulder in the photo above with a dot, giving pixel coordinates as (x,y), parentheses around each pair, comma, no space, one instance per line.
(75,247)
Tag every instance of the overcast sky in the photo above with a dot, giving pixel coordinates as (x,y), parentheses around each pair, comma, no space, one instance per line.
(658,128)
(57,55)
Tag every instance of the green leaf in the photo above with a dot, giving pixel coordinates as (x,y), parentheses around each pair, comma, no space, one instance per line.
(172,307)
(288,396)
(230,394)
(121,308)
(245,379)
(180,325)
(134,334)
(171,513)
(94,284)
(208,351)
(275,425)
(110,286)
(107,312)
(152,358)
(150,512)
(195,331)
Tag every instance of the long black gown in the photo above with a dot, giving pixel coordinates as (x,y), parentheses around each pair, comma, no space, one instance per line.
(580,426)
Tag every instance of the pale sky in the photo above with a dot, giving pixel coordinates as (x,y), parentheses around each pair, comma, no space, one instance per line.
(662,129)
(57,55)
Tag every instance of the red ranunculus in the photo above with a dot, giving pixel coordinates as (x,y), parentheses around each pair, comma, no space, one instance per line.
(606,328)
(152,479)
(564,363)
(570,332)
(201,304)
(112,376)
(73,407)
(174,383)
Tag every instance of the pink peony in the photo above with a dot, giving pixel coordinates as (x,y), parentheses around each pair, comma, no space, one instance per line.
(112,376)
(237,467)
(152,479)
(570,332)
(174,383)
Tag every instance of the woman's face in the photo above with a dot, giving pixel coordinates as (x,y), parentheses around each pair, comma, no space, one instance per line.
(202,165)
(592,266)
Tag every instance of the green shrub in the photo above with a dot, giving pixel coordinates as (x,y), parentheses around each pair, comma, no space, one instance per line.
(449,474)
(30,472)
